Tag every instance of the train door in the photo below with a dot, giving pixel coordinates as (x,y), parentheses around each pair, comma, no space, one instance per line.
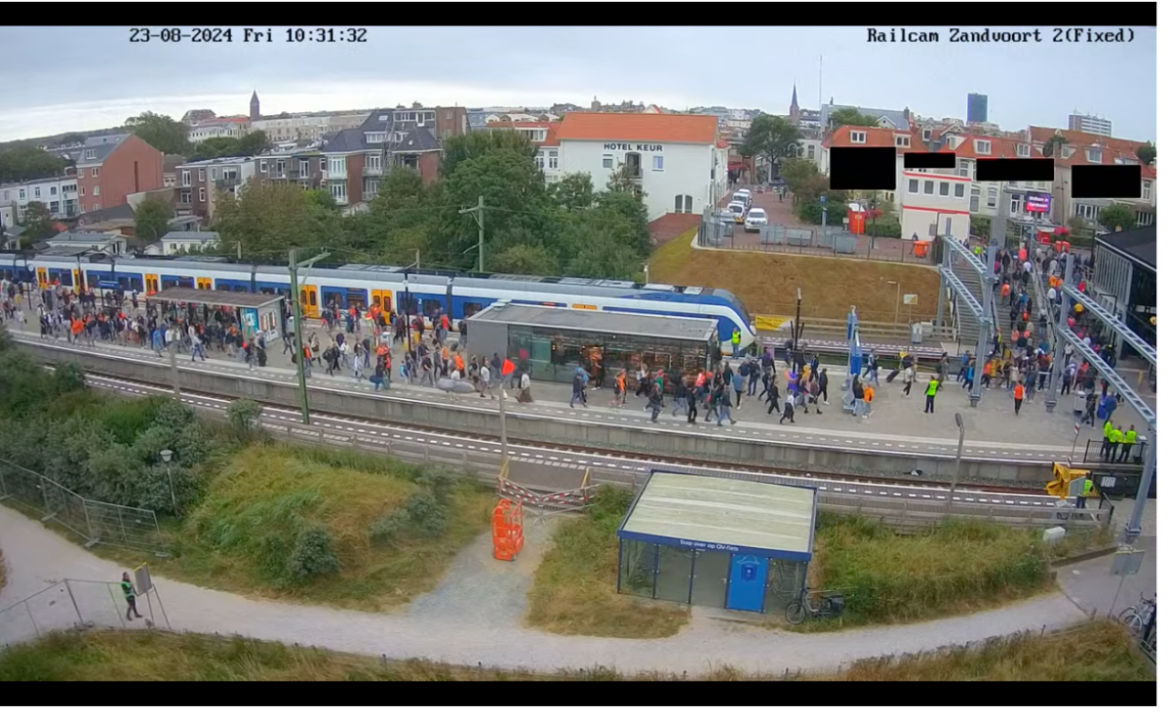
(309,302)
(151,284)
(76,278)
(383,300)
(42,277)
(203,284)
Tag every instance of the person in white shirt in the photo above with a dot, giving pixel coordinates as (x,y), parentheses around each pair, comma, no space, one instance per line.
(485,378)
(525,389)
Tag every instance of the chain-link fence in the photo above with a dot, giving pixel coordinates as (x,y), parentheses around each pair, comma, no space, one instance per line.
(76,603)
(96,522)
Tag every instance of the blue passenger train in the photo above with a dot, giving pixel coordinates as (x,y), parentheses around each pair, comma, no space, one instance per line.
(391,287)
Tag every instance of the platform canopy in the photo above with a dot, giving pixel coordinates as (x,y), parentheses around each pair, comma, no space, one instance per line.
(234,299)
(723,514)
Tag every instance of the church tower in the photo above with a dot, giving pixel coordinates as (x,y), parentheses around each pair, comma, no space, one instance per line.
(794,108)
(254,107)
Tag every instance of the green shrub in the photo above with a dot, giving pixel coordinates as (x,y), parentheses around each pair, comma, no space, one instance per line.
(244,416)
(312,556)
(886,226)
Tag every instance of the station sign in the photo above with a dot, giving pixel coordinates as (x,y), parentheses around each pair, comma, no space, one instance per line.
(619,147)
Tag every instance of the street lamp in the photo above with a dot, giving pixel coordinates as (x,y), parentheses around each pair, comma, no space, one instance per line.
(958,462)
(166,458)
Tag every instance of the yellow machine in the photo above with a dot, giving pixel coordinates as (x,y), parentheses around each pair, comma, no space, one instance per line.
(1069,482)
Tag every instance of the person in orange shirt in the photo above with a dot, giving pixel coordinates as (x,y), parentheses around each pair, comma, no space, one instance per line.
(867,396)
(1018,394)
(459,363)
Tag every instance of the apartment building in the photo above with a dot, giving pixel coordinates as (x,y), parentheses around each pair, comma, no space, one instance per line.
(200,181)
(989,199)
(306,128)
(930,202)
(543,136)
(1093,149)
(231,127)
(58,194)
(112,167)
(306,169)
(1090,124)
(356,159)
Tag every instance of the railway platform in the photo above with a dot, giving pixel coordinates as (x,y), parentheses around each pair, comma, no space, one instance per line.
(898,424)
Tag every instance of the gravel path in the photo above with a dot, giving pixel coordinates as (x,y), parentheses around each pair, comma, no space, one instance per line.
(472,634)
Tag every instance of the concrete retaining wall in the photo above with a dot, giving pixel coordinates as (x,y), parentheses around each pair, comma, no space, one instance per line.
(485,421)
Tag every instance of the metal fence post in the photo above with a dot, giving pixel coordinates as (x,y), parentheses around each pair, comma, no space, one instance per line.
(88,524)
(32,619)
(80,620)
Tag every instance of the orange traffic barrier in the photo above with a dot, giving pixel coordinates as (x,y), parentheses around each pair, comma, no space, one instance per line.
(507,530)
(920,248)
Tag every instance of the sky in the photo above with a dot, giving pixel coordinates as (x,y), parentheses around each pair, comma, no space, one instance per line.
(53,81)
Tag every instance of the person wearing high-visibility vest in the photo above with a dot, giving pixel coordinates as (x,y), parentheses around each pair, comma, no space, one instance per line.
(931,391)
(1127,442)
(735,338)
(1105,430)
(1086,490)
(1116,437)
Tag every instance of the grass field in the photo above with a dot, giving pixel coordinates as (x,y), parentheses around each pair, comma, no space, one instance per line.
(767,282)
(575,587)
(961,566)
(1102,649)
(247,535)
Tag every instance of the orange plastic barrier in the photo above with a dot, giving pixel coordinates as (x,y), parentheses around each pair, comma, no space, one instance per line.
(507,530)
(920,248)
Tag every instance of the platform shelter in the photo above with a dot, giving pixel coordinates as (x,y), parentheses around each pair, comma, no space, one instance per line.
(717,542)
(253,312)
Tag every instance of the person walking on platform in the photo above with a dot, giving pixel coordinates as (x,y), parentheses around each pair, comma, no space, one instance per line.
(692,404)
(789,410)
(1018,395)
(931,391)
(578,391)
(909,380)
(823,382)
(724,408)
(655,404)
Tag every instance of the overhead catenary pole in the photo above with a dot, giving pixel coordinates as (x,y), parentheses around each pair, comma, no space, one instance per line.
(295,297)
(958,462)
(477,210)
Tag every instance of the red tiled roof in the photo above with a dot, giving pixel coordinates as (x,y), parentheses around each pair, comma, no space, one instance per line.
(615,126)
(552,138)
(876,137)
(1076,138)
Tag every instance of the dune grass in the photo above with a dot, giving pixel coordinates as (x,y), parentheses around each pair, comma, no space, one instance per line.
(1100,648)
(575,587)
(259,505)
(961,566)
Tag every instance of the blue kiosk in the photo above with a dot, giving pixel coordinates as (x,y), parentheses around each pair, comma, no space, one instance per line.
(717,542)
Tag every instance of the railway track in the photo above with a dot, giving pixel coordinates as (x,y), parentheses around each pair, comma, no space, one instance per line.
(580,458)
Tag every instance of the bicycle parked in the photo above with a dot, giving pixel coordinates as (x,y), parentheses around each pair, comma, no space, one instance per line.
(1137,617)
(831,604)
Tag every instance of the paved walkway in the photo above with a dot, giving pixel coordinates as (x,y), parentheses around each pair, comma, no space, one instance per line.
(898,423)
(37,556)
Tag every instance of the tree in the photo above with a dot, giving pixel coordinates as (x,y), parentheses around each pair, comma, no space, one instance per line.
(1049,149)
(623,180)
(152,218)
(573,191)
(38,223)
(216,147)
(25,163)
(269,218)
(253,143)
(525,260)
(981,227)
(457,150)
(165,134)
(1147,153)
(851,117)
(798,175)
(772,138)
(1115,216)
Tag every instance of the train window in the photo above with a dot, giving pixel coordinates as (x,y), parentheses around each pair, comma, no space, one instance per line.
(431,306)
(470,308)
(312,297)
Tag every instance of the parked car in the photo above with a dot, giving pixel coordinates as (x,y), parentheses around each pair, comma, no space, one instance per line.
(738,210)
(743,196)
(755,219)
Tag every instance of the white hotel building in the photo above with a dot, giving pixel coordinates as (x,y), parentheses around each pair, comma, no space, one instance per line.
(677,160)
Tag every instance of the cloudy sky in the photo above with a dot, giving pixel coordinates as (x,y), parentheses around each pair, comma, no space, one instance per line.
(71,78)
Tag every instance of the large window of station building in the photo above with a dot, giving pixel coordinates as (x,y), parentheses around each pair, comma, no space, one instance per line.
(554,342)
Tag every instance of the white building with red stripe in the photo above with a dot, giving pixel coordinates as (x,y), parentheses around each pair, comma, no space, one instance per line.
(930,202)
